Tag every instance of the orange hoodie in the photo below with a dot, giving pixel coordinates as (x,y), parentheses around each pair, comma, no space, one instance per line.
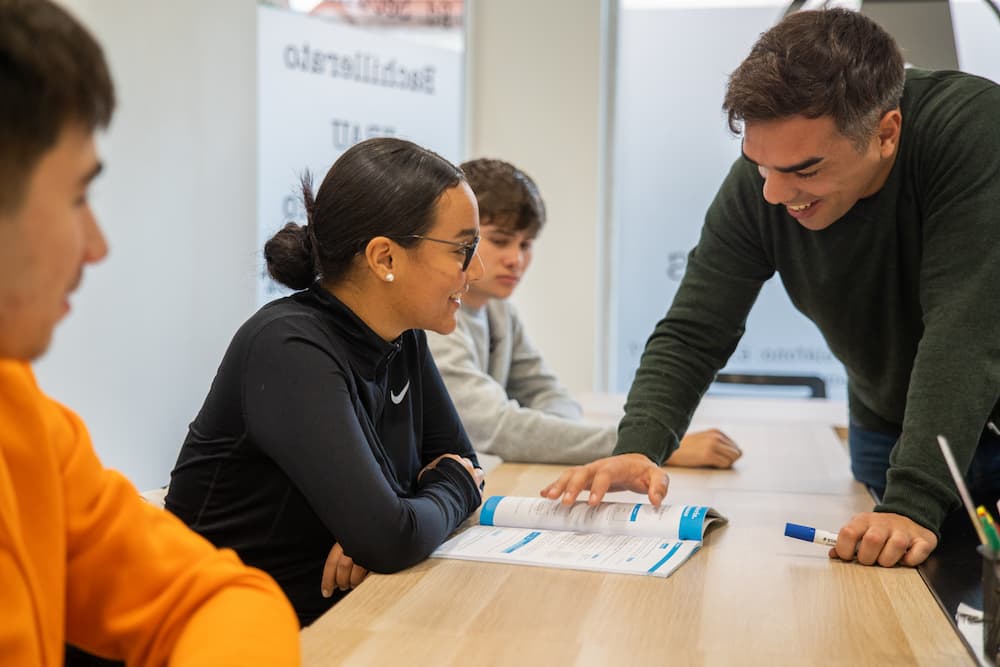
(84,559)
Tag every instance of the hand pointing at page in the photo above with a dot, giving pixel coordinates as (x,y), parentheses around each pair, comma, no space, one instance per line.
(624,472)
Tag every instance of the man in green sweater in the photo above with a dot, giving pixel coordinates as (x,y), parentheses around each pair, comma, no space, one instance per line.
(874,193)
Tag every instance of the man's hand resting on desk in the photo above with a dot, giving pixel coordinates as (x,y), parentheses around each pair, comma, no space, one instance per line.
(340,571)
(884,538)
(625,472)
(705,449)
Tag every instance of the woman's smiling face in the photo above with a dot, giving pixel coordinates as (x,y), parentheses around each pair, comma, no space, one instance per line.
(432,280)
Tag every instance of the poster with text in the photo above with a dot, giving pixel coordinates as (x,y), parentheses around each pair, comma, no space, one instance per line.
(323,86)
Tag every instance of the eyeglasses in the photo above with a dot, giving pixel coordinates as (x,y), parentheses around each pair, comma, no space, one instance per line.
(468,248)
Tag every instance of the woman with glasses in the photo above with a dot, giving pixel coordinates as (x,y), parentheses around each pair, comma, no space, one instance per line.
(328,445)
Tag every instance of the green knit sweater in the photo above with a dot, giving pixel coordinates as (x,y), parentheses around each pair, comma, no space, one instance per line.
(905,289)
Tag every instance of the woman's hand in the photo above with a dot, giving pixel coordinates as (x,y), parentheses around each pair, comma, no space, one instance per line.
(340,571)
(477,474)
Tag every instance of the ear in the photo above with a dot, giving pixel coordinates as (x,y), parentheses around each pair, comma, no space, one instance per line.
(379,256)
(888,132)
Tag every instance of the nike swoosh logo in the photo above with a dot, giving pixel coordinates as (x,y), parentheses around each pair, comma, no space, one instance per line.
(398,398)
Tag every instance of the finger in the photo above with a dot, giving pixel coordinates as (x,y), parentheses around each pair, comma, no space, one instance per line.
(468,465)
(894,549)
(580,478)
(731,452)
(329,570)
(658,485)
(722,457)
(721,461)
(555,489)
(429,466)
(599,486)
(847,541)
(343,575)
(358,575)
(918,552)
(728,441)
(872,544)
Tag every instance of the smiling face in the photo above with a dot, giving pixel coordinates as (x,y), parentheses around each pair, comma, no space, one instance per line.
(816,172)
(45,243)
(429,279)
(506,254)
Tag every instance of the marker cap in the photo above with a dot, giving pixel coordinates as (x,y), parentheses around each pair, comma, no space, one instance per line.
(800,532)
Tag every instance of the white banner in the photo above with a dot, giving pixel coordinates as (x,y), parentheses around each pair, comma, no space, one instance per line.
(323,87)
(672,151)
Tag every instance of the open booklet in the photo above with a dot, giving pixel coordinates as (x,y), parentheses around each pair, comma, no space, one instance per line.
(628,538)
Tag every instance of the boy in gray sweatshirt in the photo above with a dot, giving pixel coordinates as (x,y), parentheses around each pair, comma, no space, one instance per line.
(511,404)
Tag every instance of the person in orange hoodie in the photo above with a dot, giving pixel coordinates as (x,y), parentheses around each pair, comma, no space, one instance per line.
(83,559)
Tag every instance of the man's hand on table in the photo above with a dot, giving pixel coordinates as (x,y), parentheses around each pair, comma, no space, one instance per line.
(885,539)
(624,472)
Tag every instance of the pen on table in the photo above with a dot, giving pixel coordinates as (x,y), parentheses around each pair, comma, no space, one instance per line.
(990,528)
(810,534)
(962,491)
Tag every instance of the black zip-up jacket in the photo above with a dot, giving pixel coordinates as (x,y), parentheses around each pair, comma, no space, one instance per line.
(313,433)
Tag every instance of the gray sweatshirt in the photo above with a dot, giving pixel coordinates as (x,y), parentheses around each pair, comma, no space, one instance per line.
(511,404)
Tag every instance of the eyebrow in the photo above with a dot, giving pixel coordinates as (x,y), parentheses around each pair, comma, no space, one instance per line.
(798,166)
(469,233)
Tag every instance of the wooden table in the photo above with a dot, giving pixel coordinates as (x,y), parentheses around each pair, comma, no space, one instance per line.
(750,596)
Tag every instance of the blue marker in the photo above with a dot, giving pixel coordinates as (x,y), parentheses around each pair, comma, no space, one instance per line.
(810,534)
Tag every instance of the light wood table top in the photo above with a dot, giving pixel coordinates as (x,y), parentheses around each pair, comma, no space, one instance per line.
(750,597)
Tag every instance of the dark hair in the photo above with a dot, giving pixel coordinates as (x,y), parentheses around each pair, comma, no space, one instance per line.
(52,73)
(506,195)
(379,187)
(833,62)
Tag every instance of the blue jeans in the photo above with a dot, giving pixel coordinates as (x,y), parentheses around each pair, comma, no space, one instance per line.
(870,461)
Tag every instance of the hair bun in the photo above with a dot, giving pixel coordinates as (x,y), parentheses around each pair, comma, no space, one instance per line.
(290,256)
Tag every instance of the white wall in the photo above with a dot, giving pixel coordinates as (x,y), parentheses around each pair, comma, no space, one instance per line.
(177,202)
(535,100)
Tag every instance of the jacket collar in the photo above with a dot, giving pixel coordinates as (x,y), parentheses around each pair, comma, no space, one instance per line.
(369,352)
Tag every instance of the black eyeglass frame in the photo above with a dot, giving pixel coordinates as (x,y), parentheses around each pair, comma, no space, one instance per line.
(468,247)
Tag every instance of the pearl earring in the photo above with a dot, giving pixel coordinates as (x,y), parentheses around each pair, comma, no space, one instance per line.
(389,277)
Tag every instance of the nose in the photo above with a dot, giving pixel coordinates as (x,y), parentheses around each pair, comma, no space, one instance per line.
(514,257)
(95,246)
(477,269)
(778,187)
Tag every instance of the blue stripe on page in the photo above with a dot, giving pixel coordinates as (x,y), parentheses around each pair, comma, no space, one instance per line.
(489,507)
(635,512)
(692,523)
(527,538)
(673,550)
